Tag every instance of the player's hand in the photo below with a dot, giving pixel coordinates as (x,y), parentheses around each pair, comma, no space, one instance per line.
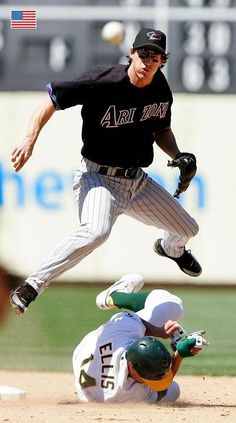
(21,155)
(195,350)
(170,327)
(187,164)
(191,345)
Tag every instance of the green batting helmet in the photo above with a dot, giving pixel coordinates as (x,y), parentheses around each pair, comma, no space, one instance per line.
(149,357)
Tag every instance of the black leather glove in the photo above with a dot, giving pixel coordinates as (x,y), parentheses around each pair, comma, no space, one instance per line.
(186,162)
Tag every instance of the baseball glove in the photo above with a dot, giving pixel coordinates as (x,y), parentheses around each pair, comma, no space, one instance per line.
(186,162)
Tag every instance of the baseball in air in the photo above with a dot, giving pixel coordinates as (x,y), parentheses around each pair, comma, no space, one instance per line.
(113,33)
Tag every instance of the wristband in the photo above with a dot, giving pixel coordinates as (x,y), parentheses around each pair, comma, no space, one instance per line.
(184,347)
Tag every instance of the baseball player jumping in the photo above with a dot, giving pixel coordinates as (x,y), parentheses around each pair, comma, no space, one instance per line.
(125,109)
(123,360)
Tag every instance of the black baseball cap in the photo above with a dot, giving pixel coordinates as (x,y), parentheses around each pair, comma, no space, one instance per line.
(148,37)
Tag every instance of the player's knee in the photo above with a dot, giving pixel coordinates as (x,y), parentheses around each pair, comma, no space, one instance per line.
(97,237)
(189,229)
(195,227)
(176,308)
(92,237)
(171,305)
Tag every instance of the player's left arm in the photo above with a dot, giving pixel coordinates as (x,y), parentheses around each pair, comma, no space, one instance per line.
(186,162)
(176,362)
(166,142)
(187,347)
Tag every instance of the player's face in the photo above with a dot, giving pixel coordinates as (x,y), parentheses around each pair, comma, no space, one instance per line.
(134,374)
(145,54)
(145,63)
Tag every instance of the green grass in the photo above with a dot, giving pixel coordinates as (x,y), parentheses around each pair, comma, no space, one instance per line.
(45,337)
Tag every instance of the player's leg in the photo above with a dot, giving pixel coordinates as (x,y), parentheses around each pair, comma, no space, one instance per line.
(161,306)
(98,212)
(156,307)
(154,206)
(134,301)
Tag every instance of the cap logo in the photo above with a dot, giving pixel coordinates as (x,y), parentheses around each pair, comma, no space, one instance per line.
(153,35)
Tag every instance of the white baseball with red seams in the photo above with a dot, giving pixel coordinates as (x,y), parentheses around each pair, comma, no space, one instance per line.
(113,32)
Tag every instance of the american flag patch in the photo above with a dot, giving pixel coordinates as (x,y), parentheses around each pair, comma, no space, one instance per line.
(23,19)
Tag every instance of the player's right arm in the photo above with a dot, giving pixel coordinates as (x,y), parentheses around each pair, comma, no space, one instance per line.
(41,115)
(177,358)
(163,332)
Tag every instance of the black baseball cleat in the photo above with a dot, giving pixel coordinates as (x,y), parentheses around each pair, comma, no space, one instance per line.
(21,298)
(187,262)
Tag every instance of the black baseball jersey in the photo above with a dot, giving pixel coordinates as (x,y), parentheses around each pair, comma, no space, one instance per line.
(119,119)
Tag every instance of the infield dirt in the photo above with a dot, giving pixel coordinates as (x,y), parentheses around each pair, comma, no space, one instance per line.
(51,398)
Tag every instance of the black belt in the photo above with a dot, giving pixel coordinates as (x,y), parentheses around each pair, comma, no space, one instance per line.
(128,173)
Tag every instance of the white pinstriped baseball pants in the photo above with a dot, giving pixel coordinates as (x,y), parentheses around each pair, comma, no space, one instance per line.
(101,200)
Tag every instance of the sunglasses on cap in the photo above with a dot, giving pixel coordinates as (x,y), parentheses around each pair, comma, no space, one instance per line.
(146,54)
